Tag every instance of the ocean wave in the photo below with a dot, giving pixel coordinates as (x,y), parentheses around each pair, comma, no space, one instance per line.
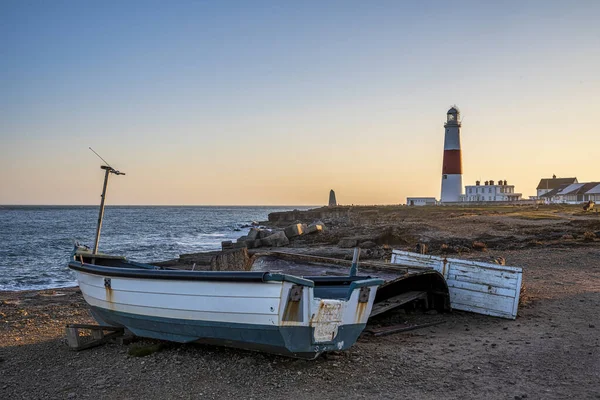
(37,241)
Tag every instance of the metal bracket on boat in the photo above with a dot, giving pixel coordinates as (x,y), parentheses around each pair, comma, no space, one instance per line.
(295,293)
(107,283)
(363,294)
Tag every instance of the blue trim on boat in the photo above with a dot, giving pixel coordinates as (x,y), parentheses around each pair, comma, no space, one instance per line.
(140,273)
(288,278)
(294,341)
(366,282)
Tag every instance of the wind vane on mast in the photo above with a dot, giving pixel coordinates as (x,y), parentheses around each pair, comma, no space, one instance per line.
(108,170)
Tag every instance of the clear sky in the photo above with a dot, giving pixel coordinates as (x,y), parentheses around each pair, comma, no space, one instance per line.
(256,102)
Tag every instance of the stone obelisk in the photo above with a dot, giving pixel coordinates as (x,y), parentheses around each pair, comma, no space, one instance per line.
(332,201)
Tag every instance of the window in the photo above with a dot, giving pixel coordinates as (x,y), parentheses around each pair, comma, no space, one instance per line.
(444,176)
(490,190)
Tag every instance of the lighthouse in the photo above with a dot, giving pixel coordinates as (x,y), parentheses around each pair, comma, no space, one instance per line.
(452,164)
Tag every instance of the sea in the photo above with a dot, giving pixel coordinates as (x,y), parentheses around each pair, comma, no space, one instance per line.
(36,241)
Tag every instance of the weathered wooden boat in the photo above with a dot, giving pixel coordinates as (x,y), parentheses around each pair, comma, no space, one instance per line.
(480,287)
(272,312)
(257,310)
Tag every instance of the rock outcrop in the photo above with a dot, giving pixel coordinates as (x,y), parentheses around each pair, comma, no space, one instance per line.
(277,239)
(231,260)
(294,230)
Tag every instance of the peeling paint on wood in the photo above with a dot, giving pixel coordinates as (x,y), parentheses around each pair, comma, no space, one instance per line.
(484,288)
(327,320)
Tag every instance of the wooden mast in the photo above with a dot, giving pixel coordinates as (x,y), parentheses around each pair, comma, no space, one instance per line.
(108,170)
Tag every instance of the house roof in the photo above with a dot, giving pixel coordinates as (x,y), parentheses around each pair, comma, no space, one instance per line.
(553,183)
(571,189)
(555,191)
(574,189)
(595,189)
(580,188)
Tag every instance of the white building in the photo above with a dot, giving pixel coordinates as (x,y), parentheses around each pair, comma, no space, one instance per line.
(490,191)
(421,201)
(573,193)
(549,184)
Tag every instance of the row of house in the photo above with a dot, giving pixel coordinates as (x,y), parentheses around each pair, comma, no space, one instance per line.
(549,190)
(567,190)
(489,191)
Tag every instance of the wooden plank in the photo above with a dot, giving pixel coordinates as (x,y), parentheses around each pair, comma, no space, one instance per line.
(482,279)
(405,258)
(396,301)
(388,330)
(484,273)
(482,288)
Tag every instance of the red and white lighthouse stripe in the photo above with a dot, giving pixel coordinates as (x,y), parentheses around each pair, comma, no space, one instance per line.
(452,156)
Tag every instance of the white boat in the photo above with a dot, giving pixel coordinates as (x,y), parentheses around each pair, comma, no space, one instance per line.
(284,314)
(272,312)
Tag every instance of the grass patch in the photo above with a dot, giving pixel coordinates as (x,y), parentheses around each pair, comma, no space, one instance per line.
(532,216)
(143,350)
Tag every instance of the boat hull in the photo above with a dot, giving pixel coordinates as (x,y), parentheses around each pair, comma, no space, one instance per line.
(293,341)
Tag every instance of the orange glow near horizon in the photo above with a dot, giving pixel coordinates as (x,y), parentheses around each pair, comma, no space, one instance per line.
(239,106)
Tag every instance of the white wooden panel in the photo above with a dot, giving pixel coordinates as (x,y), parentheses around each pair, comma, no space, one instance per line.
(253,310)
(259,319)
(475,286)
(229,289)
(488,301)
(416,260)
(481,278)
(186,302)
(487,266)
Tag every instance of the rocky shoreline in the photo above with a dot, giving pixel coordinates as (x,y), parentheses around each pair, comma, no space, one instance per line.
(480,232)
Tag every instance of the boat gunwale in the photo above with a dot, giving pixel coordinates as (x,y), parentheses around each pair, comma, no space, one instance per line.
(159,273)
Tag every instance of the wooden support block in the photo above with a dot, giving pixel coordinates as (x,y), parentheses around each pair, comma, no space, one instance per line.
(97,334)
(73,338)
(77,341)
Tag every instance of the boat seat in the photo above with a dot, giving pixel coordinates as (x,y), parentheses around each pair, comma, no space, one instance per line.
(333,287)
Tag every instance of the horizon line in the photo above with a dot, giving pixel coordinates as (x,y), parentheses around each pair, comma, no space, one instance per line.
(161,205)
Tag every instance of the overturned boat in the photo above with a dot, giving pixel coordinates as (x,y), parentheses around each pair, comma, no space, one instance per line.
(257,310)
